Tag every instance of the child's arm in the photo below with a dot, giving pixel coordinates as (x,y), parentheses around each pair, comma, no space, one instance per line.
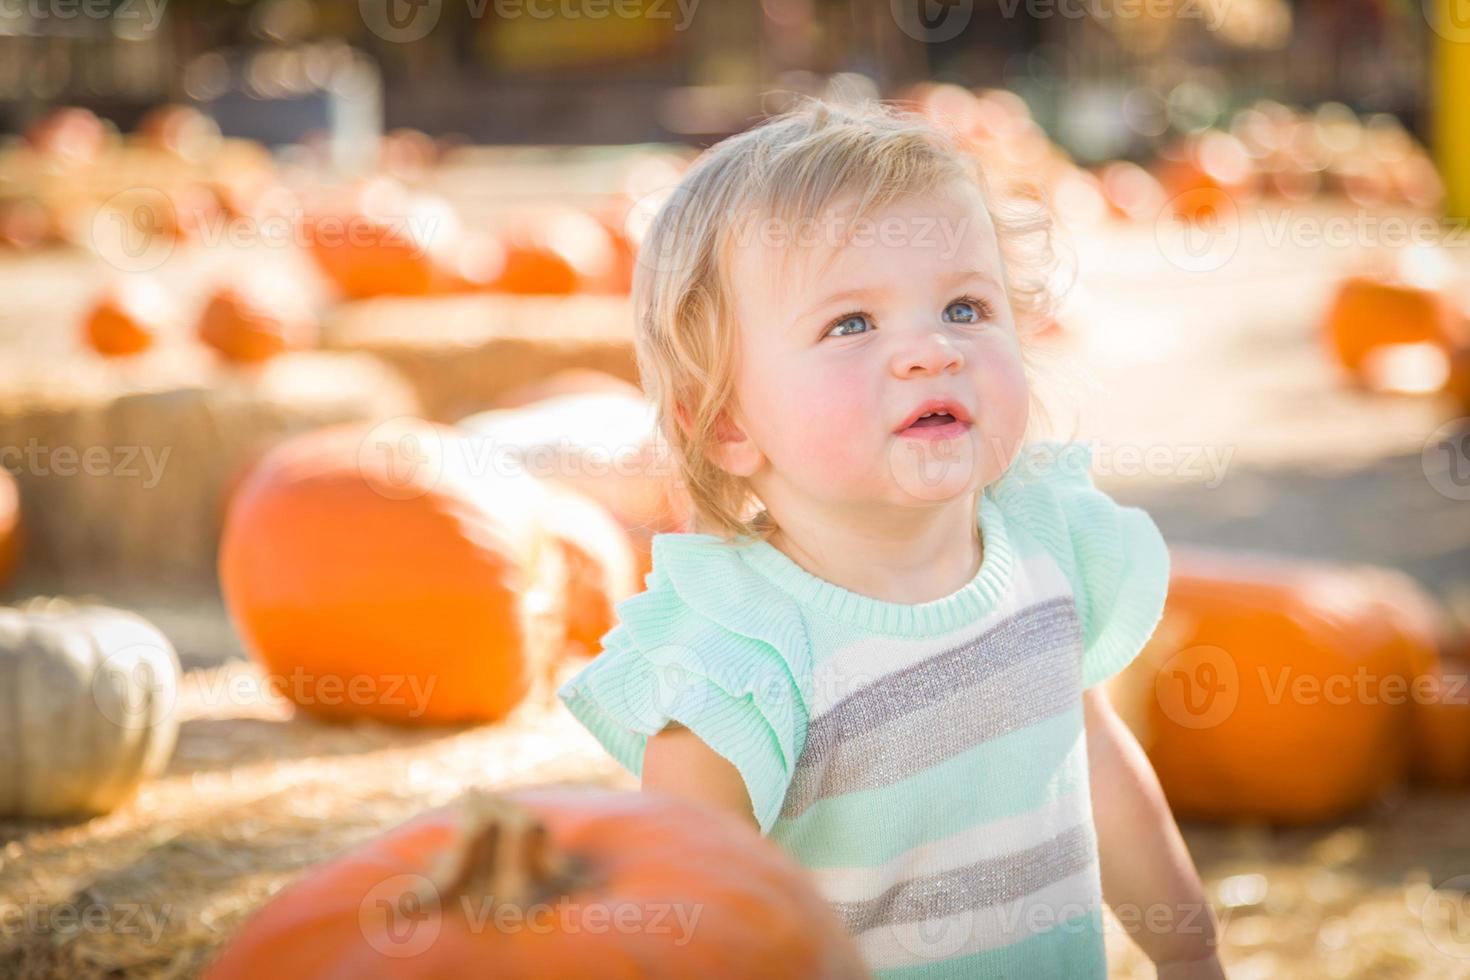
(679,763)
(1148,877)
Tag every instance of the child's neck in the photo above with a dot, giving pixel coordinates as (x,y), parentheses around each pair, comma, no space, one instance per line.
(920,562)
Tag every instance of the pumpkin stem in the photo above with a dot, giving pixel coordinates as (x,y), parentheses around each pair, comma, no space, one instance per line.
(502,850)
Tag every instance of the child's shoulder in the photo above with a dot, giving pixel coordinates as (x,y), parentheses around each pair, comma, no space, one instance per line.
(709,644)
(1113,556)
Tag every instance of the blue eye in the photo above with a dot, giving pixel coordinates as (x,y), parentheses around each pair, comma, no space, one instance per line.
(837,331)
(968,312)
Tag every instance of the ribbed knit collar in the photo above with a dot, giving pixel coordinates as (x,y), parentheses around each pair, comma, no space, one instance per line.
(971,601)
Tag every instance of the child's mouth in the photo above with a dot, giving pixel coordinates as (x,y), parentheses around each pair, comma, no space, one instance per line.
(941,426)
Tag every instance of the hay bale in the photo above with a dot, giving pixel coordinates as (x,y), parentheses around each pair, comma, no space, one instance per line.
(123,470)
(460,353)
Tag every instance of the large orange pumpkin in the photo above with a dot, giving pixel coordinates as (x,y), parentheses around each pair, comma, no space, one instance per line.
(373,573)
(1368,315)
(250,326)
(1278,689)
(9,526)
(556,882)
(128,317)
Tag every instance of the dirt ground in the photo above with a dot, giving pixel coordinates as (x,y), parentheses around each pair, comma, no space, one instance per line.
(1222,361)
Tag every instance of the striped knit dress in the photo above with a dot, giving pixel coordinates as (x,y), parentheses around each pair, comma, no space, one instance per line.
(925,762)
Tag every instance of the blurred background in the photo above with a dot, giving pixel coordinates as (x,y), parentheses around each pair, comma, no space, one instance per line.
(315,346)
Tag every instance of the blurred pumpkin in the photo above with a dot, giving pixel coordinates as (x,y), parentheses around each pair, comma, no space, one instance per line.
(408,154)
(1279,689)
(1457,382)
(376,560)
(533,267)
(251,325)
(92,692)
(1207,176)
(181,130)
(605,445)
(1368,314)
(24,222)
(414,901)
(9,526)
(382,240)
(600,562)
(68,135)
(1131,191)
(129,316)
(1442,725)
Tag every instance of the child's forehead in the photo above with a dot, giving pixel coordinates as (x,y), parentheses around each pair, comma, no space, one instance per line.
(786,252)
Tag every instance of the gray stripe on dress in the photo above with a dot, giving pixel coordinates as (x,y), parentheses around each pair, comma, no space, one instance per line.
(985,883)
(1023,670)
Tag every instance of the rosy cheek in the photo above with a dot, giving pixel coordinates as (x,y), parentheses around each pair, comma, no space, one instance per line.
(821,419)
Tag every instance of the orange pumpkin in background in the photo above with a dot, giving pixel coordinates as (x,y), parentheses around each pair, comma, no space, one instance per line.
(533,268)
(1207,176)
(180,130)
(1131,191)
(565,250)
(600,560)
(69,135)
(9,526)
(1442,726)
(251,325)
(582,883)
(1369,315)
(1457,382)
(377,575)
(129,317)
(605,445)
(1280,690)
(379,239)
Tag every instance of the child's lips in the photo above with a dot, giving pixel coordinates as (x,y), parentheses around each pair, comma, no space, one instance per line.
(935,433)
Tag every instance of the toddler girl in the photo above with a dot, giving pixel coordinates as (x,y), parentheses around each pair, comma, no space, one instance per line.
(890,665)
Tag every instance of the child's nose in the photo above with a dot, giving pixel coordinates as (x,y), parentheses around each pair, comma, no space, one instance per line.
(929,352)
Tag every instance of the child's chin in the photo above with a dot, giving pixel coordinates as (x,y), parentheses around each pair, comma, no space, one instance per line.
(936,480)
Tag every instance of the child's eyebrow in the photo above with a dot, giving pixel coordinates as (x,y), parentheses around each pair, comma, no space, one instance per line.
(859,294)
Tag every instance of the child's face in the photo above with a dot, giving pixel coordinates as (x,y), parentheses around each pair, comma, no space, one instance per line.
(841,343)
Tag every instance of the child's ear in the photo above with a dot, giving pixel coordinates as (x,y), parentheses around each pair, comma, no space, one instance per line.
(733,450)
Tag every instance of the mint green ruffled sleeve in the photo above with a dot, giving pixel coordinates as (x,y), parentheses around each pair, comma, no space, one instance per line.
(1113,556)
(706,646)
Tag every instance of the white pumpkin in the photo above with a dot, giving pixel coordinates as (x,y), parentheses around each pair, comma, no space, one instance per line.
(87,697)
